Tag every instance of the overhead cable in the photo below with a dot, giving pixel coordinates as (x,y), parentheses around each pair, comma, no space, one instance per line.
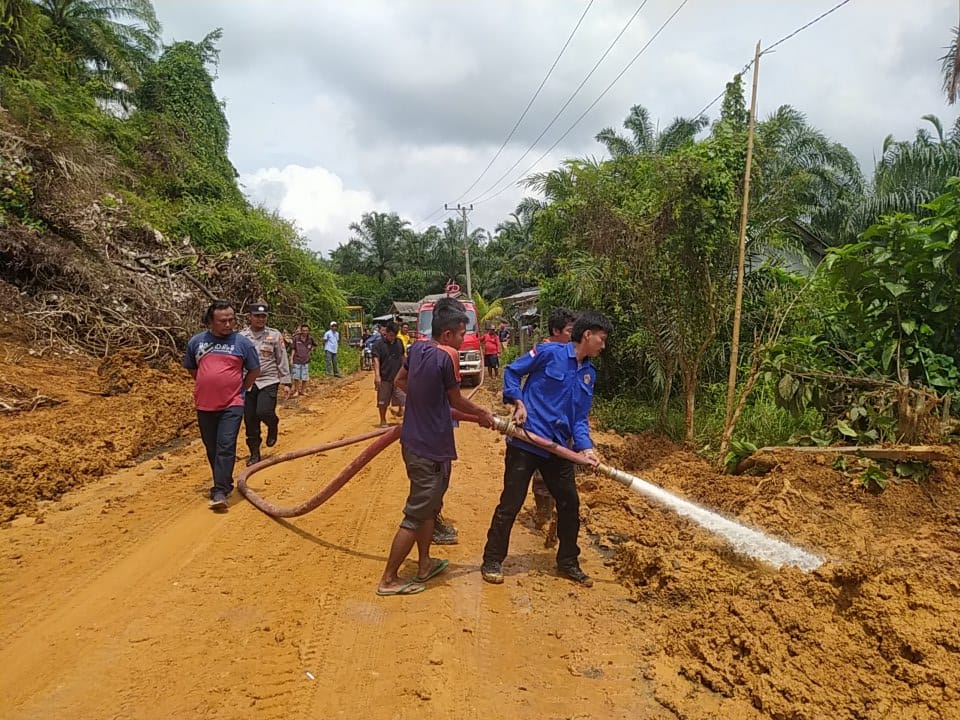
(589,108)
(769,49)
(536,94)
(568,101)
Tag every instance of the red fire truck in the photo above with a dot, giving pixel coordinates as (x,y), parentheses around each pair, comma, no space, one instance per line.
(471,357)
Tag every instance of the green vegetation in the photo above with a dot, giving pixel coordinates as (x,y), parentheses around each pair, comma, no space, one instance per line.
(861,347)
(131,144)
(115,181)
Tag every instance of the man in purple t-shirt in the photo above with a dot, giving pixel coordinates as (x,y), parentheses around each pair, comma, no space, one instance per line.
(428,447)
(217,358)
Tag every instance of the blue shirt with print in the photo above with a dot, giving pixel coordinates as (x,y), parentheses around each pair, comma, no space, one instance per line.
(558,395)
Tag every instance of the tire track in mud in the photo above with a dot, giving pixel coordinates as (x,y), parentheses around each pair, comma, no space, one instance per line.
(223,616)
(165,544)
(340,642)
(338,529)
(101,563)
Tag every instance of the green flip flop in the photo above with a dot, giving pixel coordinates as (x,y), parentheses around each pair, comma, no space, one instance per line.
(438,567)
(411,588)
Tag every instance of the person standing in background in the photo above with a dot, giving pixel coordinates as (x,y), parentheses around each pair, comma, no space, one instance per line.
(300,348)
(388,354)
(491,352)
(404,336)
(504,333)
(331,346)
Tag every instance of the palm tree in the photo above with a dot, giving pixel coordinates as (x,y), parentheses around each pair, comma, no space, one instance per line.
(806,185)
(378,237)
(118,38)
(644,137)
(488,311)
(910,173)
(14,15)
(950,66)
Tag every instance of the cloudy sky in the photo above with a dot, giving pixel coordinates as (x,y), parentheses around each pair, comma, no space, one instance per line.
(337,108)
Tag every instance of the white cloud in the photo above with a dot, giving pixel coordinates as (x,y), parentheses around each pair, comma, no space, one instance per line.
(404,102)
(312,197)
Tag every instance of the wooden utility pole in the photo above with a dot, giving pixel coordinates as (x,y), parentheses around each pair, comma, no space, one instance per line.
(462,209)
(738,303)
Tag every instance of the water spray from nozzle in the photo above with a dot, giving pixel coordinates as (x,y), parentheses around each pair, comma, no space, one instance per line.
(743,539)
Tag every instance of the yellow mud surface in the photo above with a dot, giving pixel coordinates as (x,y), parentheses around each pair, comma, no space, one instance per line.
(123,596)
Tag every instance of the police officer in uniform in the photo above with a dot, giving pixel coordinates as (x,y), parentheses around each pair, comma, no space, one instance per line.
(260,405)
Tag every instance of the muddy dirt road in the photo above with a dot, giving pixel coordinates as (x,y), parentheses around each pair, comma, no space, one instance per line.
(138,602)
(127,598)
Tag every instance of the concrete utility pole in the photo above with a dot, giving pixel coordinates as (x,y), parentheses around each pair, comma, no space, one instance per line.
(462,209)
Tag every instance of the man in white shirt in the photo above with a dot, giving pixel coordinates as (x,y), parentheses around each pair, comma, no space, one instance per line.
(331,346)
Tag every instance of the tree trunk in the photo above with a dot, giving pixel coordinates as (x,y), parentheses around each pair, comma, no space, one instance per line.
(669,370)
(689,402)
(731,424)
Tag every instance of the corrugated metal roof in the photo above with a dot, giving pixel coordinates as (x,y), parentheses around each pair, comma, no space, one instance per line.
(405,308)
(521,296)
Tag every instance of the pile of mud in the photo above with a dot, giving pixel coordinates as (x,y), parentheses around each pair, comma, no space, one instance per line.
(107,416)
(874,633)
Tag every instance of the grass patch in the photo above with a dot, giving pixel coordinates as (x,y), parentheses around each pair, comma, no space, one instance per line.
(762,422)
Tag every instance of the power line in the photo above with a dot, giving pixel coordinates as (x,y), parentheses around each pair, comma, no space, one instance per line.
(423,223)
(569,100)
(530,103)
(770,49)
(804,27)
(589,108)
(480,199)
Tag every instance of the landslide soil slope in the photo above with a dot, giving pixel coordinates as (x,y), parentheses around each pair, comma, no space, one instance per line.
(129,599)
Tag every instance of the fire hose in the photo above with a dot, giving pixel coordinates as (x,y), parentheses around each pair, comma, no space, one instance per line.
(743,539)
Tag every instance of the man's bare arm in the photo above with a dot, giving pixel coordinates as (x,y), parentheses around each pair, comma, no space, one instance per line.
(459,402)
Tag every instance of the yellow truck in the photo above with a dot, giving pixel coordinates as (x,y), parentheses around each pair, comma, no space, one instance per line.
(354,325)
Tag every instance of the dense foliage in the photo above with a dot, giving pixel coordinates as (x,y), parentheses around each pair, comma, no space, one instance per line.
(860,347)
(114,151)
(118,146)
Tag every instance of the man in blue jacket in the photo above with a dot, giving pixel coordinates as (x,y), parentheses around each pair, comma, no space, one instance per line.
(554,403)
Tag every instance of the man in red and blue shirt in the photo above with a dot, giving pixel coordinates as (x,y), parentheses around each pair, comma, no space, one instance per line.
(217,359)
(553,403)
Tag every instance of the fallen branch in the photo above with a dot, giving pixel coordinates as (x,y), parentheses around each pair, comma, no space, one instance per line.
(874,452)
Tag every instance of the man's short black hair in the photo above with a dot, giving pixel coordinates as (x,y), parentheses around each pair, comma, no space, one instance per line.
(448,303)
(214,306)
(447,319)
(590,320)
(391,327)
(559,318)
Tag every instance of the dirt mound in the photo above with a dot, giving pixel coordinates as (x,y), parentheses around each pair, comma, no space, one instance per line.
(107,415)
(875,633)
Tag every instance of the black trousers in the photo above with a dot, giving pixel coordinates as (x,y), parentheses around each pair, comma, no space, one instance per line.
(259,406)
(219,430)
(558,474)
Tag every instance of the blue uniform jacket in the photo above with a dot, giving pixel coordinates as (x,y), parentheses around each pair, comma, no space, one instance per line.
(558,395)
